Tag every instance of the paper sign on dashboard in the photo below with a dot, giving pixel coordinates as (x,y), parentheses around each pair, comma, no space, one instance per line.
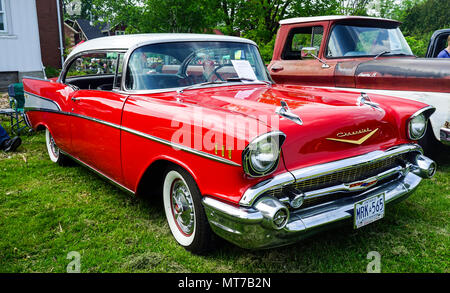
(243,69)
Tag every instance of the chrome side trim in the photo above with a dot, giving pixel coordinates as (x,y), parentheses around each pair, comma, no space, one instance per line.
(142,134)
(99,173)
(180,147)
(251,194)
(35,78)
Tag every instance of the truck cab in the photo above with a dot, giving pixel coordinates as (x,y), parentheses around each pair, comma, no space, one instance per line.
(363,54)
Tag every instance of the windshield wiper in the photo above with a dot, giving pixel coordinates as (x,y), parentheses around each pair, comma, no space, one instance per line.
(247,79)
(381,54)
(199,85)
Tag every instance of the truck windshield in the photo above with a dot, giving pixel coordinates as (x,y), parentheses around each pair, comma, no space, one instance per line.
(185,64)
(354,41)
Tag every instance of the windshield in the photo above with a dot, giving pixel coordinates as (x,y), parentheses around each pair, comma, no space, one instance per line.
(181,64)
(351,41)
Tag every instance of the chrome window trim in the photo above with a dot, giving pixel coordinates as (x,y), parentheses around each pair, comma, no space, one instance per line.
(74,57)
(131,50)
(251,194)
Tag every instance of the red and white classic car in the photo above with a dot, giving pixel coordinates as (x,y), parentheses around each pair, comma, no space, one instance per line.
(197,120)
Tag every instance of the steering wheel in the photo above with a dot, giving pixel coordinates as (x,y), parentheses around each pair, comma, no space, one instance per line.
(214,72)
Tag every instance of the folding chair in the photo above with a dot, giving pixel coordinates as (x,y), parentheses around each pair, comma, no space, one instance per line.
(15,112)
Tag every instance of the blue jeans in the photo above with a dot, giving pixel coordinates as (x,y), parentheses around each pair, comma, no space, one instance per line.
(3,135)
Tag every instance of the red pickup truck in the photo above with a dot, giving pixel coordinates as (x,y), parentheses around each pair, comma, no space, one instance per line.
(362,54)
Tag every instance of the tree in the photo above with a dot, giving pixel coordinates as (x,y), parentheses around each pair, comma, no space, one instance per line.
(259,19)
(353,7)
(180,16)
(427,16)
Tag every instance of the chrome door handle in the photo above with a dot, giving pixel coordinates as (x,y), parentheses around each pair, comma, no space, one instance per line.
(277,68)
(75,99)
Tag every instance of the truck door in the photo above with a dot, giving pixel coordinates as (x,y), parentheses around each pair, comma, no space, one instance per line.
(293,68)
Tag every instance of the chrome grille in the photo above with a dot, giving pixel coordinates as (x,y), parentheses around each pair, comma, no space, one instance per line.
(347,175)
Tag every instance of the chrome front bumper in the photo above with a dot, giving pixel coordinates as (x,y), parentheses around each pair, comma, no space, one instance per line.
(249,226)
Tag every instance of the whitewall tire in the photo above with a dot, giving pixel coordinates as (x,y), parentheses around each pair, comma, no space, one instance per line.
(53,150)
(184,211)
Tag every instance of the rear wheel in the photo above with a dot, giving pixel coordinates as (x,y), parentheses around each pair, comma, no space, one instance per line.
(53,151)
(184,211)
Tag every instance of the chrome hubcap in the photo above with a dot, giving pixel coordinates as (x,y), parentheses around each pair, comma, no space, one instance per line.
(53,147)
(182,207)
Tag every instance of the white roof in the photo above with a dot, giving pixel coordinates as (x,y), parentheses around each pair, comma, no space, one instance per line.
(125,42)
(330,17)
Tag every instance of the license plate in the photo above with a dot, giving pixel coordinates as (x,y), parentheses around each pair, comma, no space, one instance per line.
(369,210)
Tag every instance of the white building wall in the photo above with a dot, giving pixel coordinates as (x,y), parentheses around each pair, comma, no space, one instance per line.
(19,47)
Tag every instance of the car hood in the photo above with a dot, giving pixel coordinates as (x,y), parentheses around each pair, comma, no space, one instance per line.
(412,74)
(334,127)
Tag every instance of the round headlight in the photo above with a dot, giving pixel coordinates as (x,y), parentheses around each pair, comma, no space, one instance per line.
(265,155)
(261,156)
(417,127)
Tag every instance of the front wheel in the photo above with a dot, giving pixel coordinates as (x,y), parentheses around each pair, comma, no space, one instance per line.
(184,211)
(430,145)
(53,151)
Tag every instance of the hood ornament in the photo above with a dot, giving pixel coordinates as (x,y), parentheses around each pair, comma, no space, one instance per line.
(285,112)
(364,99)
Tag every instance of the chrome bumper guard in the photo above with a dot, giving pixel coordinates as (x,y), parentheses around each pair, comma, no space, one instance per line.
(445,135)
(261,224)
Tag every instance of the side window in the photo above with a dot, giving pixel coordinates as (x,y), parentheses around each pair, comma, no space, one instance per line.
(93,71)
(93,64)
(299,38)
(151,70)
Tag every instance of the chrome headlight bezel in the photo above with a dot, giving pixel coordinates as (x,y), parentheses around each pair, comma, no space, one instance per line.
(420,116)
(274,140)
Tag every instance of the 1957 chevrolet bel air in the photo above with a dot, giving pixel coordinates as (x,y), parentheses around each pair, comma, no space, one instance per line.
(197,118)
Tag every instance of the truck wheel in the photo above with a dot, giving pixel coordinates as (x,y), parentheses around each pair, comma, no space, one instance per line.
(431,146)
(53,151)
(184,211)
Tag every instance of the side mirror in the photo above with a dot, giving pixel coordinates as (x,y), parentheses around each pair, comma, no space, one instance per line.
(309,52)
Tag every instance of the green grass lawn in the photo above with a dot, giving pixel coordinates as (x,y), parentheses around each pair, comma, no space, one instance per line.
(46,211)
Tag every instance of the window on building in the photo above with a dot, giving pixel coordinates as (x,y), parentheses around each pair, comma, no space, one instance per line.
(3,27)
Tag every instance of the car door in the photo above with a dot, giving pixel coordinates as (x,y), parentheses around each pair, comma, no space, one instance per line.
(293,68)
(96,112)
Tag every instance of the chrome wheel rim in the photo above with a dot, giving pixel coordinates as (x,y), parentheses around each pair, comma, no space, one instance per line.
(182,207)
(53,147)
